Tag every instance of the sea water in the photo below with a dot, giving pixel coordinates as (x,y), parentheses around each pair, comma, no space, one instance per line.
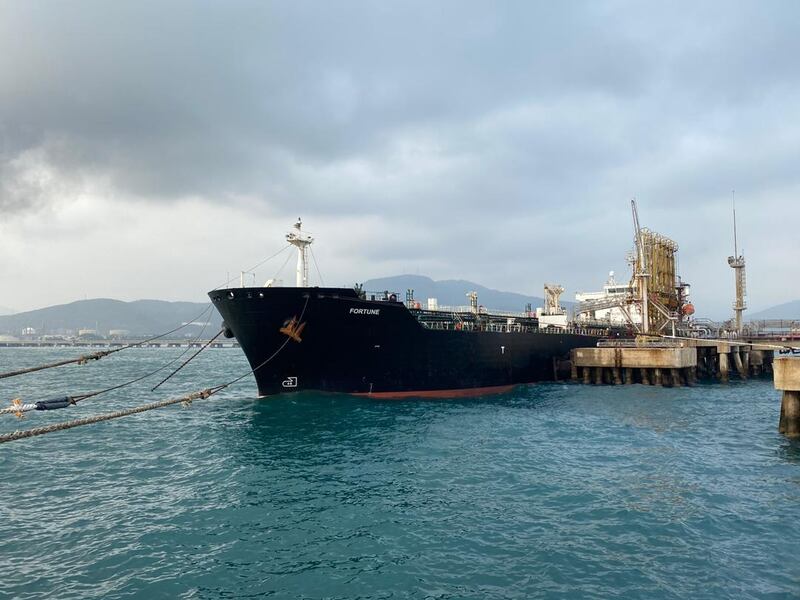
(557,490)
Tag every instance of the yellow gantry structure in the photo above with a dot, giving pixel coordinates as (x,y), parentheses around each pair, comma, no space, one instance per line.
(660,262)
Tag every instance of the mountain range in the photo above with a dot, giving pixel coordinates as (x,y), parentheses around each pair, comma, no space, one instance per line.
(788,310)
(141,317)
(151,317)
(453,292)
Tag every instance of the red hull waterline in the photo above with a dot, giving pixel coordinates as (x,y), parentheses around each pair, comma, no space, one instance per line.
(457,393)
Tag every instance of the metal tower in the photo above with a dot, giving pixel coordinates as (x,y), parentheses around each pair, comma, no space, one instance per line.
(736,262)
(300,241)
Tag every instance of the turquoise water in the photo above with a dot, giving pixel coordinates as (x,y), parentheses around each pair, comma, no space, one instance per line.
(552,491)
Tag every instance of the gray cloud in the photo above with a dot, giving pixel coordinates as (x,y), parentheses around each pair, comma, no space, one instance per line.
(526,126)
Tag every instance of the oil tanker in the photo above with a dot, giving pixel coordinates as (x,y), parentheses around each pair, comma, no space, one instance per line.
(350,341)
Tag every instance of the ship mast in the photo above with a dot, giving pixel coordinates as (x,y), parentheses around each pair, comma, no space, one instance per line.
(300,241)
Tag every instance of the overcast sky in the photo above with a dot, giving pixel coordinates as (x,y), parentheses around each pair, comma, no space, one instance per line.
(149,148)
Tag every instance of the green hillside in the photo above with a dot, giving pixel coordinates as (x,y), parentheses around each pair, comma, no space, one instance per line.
(141,317)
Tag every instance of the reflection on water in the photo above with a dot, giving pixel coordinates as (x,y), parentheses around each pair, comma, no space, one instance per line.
(788,450)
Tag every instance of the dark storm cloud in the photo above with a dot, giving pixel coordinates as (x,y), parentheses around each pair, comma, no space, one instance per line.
(172,100)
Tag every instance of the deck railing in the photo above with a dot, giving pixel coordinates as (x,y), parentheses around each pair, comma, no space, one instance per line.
(509,328)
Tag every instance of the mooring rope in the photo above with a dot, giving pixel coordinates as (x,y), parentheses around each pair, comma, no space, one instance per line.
(101,354)
(187,361)
(80,360)
(186,400)
(17,408)
(27,433)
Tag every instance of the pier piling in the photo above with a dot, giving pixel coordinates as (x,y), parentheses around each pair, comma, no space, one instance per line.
(739,363)
(789,423)
(723,367)
(787,379)
(756,360)
(669,364)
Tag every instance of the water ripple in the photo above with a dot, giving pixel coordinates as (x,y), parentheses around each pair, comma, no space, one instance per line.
(553,491)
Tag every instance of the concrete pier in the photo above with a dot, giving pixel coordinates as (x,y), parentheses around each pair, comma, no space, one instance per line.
(787,379)
(671,363)
(659,365)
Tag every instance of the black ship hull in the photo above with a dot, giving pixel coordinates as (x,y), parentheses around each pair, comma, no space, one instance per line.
(333,340)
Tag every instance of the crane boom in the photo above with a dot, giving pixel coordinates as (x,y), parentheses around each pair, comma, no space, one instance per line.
(641,273)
